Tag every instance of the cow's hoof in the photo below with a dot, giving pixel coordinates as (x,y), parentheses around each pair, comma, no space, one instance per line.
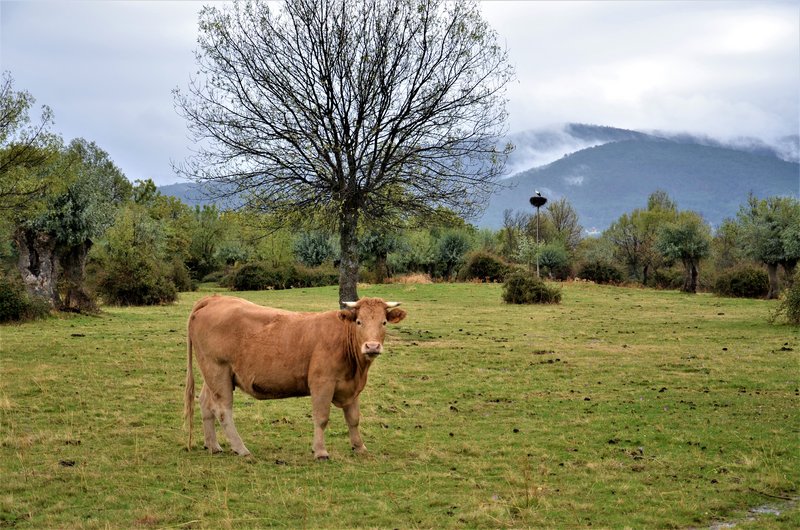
(213,450)
(322,457)
(360,450)
(244,453)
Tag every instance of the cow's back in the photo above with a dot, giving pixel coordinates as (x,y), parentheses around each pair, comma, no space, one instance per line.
(268,350)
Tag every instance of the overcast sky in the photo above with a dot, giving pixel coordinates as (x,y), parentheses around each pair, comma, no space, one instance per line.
(722,68)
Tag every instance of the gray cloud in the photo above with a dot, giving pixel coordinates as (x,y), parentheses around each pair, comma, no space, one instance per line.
(728,69)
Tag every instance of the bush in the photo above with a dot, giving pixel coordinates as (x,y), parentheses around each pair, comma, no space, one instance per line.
(12,302)
(136,285)
(483,266)
(668,279)
(554,261)
(257,277)
(742,282)
(181,278)
(600,272)
(524,288)
(789,306)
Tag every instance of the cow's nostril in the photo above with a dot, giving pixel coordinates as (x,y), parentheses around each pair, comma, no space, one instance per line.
(372,347)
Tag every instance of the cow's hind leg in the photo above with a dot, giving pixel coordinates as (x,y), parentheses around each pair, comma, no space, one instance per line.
(209,420)
(219,395)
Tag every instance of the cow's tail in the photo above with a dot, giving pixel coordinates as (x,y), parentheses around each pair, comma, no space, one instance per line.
(188,397)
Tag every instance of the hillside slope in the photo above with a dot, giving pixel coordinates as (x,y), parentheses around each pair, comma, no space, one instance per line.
(605,181)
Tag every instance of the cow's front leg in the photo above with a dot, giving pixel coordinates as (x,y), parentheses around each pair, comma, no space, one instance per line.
(321,397)
(352,415)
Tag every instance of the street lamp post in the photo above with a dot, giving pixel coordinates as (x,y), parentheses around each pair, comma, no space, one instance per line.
(537,201)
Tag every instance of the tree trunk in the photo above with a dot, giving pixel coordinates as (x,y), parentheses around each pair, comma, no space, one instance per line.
(348,265)
(381,268)
(774,286)
(38,265)
(694,273)
(645,274)
(73,264)
(690,276)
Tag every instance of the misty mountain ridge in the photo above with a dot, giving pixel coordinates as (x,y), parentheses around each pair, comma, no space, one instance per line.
(606,171)
(618,173)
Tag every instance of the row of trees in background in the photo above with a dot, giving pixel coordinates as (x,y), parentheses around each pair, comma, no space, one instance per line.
(75,229)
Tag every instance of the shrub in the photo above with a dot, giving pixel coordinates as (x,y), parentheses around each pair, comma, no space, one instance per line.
(251,277)
(600,272)
(554,261)
(181,278)
(668,279)
(483,266)
(524,288)
(138,282)
(742,282)
(257,277)
(12,302)
(789,306)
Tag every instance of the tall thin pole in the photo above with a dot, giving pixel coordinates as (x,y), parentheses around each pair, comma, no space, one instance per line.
(537,201)
(537,242)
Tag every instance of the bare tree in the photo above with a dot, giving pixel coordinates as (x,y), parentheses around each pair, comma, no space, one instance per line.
(361,109)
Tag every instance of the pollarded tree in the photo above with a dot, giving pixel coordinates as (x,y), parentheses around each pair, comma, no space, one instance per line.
(54,243)
(688,239)
(356,109)
(769,233)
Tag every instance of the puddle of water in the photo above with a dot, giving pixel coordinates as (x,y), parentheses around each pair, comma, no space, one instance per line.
(755,513)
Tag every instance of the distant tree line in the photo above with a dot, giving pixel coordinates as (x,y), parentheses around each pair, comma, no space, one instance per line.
(75,232)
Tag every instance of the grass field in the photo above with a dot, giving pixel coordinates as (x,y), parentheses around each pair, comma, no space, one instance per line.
(616,408)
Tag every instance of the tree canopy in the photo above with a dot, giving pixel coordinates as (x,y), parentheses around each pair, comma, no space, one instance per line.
(362,110)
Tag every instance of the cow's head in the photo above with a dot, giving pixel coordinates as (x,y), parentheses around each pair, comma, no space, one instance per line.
(369,317)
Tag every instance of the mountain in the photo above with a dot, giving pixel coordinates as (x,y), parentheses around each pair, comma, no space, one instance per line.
(606,171)
(604,181)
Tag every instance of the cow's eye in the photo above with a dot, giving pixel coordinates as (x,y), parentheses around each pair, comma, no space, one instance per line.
(358,322)
(384,322)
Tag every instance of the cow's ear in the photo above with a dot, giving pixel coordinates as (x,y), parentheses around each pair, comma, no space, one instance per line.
(347,315)
(395,315)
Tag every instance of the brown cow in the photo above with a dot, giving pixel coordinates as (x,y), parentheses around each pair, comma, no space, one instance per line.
(273,354)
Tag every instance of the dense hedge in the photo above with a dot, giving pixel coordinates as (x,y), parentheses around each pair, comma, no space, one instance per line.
(523,287)
(15,304)
(483,266)
(600,272)
(259,276)
(667,279)
(742,282)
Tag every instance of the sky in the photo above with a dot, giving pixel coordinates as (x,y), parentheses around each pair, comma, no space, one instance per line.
(722,68)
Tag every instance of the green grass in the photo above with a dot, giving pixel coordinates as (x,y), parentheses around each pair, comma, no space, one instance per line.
(616,408)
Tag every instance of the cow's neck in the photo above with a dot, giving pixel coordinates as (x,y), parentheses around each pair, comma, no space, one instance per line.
(358,364)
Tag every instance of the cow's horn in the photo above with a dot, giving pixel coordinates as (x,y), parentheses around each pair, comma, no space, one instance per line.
(351,305)
(390,305)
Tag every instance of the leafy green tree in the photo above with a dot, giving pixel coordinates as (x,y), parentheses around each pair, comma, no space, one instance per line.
(27,152)
(312,249)
(563,224)
(769,233)
(207,233)
(375,247)
(452,247)
(132,265)
(75,215)
(634,236)
(356,109)
(686,239)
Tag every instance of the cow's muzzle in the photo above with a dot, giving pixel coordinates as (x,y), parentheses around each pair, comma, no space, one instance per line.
(373,349)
